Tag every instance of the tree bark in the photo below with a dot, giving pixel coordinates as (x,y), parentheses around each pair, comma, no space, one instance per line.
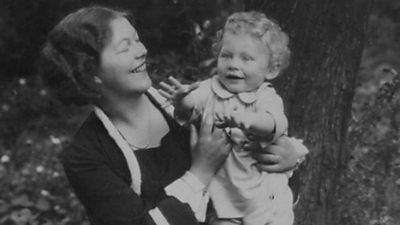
(327,41)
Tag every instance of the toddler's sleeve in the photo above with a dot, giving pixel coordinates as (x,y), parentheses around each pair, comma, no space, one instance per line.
(272,103)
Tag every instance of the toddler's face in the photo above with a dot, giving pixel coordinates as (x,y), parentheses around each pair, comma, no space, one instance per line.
(242,62)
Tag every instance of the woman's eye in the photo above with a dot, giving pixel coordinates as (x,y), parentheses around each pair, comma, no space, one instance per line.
(124,50)
(124,46)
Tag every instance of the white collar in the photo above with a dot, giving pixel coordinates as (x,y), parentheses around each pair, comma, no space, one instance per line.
(245,97)
(130,157)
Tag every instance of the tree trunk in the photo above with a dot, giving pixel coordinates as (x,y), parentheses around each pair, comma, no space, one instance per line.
(326,41)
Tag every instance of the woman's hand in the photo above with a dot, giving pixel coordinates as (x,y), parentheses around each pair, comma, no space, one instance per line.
(278,157)
(210,146)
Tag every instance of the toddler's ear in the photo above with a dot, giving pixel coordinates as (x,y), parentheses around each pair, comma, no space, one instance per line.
(275,68)
(272,74)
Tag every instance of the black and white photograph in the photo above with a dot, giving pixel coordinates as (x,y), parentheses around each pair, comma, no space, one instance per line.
(199,112)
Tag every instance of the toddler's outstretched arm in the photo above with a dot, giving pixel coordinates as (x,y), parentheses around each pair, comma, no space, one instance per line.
(179,95)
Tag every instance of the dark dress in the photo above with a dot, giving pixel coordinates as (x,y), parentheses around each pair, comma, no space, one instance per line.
(98,172)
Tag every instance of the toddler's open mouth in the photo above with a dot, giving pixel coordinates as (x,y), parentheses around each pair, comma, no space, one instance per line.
(234,77)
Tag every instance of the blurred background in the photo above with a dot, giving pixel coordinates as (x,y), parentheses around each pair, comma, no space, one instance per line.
(34,124)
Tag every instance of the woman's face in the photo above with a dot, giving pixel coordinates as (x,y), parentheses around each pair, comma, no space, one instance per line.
(122,67)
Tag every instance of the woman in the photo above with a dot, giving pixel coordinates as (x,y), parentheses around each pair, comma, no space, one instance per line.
(130,163)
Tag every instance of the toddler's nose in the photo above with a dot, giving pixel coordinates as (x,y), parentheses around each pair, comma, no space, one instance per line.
(234,64)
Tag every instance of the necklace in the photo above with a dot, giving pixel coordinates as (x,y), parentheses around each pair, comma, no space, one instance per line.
(135,146)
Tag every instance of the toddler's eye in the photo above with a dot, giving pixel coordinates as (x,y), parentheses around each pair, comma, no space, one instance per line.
(247,58)
(225,55)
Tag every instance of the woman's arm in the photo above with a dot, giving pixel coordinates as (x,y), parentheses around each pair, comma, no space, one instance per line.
(109,199)
(209,148)
(283,155)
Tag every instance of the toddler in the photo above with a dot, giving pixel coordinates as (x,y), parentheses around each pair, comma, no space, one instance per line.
(252,50)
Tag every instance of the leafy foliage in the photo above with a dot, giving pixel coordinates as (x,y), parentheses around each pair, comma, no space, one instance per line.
(33,187)
(374,177)
(373,181)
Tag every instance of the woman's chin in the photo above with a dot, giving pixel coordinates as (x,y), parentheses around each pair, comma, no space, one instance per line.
(142,82)
(144,86)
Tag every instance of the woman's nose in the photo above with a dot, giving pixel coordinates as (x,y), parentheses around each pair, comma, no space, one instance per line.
(141,50)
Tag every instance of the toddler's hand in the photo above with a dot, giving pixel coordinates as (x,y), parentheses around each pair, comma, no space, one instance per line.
(236,118)
(175,91)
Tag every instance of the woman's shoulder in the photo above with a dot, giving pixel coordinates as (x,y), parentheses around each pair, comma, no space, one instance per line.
(90,128)
(87,138)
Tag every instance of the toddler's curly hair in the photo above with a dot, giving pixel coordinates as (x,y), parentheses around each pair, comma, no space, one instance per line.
(263,28)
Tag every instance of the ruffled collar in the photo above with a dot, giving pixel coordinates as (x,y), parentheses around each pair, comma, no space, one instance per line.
(245,97)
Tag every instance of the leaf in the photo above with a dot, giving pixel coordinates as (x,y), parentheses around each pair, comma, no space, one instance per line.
(4,206)
(4,219)
(48,222)
(21,217)
(42,204)
(3,171)
(21,200)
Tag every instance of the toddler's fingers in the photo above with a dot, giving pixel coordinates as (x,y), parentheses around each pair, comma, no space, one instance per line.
(166,87)
(176,83)
(164,94)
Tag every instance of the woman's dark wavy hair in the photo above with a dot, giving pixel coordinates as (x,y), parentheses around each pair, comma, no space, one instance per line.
(73,50)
